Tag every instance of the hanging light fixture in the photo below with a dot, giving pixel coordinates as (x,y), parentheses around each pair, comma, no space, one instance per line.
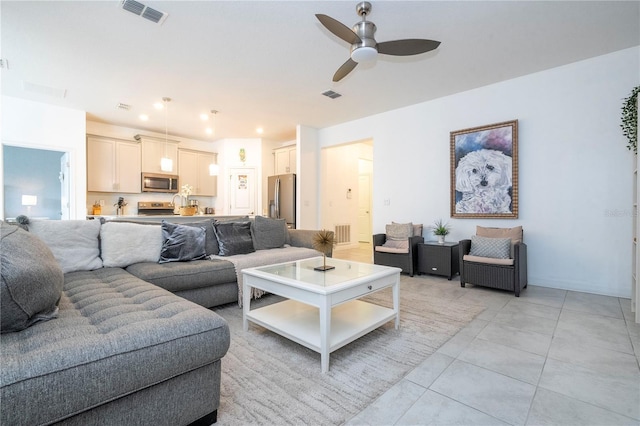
(214,169)
(166,163)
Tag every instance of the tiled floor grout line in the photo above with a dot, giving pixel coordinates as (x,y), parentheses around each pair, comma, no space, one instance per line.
(564,302)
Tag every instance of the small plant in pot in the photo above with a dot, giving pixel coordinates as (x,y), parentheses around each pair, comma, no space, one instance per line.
(441,229)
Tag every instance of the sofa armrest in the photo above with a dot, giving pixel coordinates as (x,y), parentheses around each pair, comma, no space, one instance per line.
(304,238)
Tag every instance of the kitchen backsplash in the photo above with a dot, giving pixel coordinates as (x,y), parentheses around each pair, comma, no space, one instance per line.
(111,199)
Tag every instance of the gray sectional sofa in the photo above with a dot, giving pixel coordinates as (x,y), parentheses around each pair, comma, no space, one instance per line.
(106,322)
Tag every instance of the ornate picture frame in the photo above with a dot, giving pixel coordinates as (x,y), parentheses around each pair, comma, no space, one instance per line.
(484,171)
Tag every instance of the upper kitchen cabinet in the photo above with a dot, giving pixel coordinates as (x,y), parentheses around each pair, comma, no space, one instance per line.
(154,149)
(193,167)
(285,160)
(113,165)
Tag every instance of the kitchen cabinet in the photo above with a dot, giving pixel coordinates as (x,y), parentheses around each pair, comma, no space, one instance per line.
(285,160)
(193,168)
(154,149)
(113,165)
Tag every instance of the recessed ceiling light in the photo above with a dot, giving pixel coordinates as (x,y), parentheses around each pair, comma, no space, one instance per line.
(260,130)
(204,117)
(144,117)
(209,130)
(158,105)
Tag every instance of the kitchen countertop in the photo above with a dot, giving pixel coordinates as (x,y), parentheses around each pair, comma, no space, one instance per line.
(157,218)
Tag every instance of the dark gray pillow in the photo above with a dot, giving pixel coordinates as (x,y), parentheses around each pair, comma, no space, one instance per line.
(234,238)
(31,280)
(210,241)
(269,233)
(182,243)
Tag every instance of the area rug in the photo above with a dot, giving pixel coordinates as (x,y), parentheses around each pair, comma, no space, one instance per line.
(267,379)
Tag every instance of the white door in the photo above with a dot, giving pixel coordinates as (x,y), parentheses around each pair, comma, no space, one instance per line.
(64,187)
(364,208)
(242,191)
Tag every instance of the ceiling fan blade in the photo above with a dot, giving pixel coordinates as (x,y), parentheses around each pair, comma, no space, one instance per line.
(345,69)
(339,29)
(410,46)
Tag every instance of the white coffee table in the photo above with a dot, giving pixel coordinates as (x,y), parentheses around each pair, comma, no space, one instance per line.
(322,312)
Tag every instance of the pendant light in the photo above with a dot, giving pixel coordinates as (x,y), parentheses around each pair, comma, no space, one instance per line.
(166,163)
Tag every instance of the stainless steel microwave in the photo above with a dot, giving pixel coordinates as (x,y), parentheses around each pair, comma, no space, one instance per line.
(156,182)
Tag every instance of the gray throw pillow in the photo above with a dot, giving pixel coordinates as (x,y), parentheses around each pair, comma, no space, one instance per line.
(498,248)
(31,280)
(182,243)
(269,233)
(234,238)
(210,241)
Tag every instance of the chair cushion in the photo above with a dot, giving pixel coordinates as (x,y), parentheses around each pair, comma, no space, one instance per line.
(490,260)
(384,249)
(499,248)
(399,231)
(395,244)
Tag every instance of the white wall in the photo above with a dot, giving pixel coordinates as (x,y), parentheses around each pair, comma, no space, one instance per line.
(307,186)
(575,171)
(37,125)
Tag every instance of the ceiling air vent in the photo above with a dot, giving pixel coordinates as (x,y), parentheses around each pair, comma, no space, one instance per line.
(331,94)
(143,11)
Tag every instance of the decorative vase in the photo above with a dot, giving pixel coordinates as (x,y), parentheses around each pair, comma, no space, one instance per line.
(441,239)
(188,211)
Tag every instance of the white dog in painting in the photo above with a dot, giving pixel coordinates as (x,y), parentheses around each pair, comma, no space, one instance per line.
(484,178)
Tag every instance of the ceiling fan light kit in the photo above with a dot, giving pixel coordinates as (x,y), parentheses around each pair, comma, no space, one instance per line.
(364,48)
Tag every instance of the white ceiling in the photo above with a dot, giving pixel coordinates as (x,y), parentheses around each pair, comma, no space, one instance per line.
(266,63)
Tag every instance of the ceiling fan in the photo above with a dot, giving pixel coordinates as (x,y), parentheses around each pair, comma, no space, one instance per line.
(364,47)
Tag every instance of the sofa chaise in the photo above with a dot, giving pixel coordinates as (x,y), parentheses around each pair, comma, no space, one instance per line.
(106,322)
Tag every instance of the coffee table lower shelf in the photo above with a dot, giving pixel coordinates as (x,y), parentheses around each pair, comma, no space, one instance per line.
(301,322)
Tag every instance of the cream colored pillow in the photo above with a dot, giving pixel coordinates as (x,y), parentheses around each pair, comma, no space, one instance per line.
(515,234)
(417,228)
(399,231)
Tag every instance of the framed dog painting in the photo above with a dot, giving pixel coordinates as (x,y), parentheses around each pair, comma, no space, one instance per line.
(484,171)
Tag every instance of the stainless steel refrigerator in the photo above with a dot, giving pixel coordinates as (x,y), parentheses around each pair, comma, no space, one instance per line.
(282,198)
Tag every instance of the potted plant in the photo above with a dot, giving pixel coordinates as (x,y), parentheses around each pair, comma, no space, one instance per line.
(185,208)
(441,229)
(629,123)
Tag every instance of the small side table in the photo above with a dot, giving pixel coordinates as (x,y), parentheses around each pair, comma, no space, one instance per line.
(438,259)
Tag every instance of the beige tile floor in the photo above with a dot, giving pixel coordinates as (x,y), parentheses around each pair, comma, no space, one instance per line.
(549,357)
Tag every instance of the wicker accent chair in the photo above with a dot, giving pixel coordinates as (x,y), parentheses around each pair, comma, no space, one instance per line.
(500,273)
(399,250)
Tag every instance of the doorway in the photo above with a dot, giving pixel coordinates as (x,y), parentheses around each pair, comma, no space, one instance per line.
(365,170)
(346,173)
(35,181)
(242,191)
